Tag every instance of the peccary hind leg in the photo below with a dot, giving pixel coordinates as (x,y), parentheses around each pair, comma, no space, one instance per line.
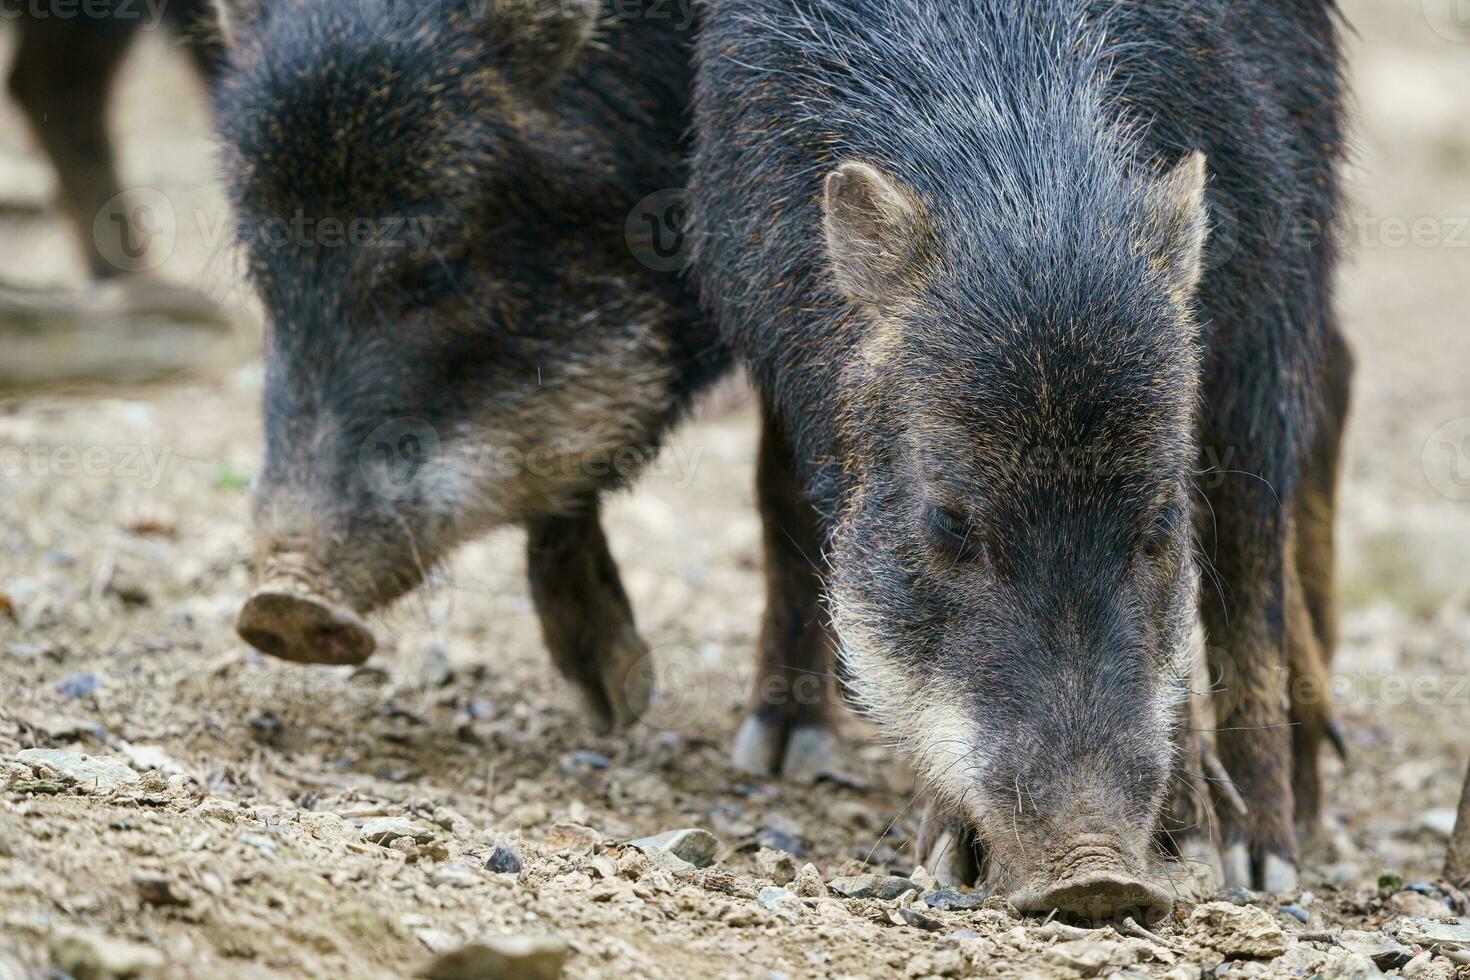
(788,728)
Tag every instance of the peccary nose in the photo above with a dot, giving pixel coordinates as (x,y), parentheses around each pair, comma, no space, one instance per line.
(305,628)
(291,616)
(1093,882)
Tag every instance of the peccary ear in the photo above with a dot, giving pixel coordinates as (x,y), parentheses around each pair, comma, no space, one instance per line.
(1182,219)
(234,17)
(877,232)
(541,39)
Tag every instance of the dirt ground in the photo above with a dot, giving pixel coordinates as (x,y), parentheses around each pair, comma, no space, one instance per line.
(173,804)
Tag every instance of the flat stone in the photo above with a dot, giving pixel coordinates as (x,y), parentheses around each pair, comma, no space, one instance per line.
(693,844)
(1440,822)
(885,887)
(502,958)
(947,900)
(386,830)
(93,956)
(503,859)
(1090,956)
(1431,932)
(94,773)
(1238,930)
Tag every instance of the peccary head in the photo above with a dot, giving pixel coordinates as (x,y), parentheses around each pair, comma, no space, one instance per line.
(458,335)
(1012,579)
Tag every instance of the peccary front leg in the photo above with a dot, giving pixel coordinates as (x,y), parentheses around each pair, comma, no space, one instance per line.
(789,724)
(586,618)
(61,77)
(1246,631)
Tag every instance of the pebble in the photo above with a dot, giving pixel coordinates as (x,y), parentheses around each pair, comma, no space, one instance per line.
(454,875)
(1238,896)
(502,958)
(781,903)
(385,830)
(1237,930)
(503,859)
(1440,822)
(884,887)
(778,866)
(1297,912)
(780,840)
(583,761)
(95,773)
(93,956)
(947,900)
(693,844)
(1090,956)
(261,843)
(809,883)
(76,686)
(573,838)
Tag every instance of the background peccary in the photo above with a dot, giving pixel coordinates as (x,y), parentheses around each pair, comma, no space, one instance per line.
(962,247)
(61,76)
(490,350)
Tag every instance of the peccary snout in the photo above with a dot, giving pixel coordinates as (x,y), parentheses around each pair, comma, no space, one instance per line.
(291,616)
(1094,880)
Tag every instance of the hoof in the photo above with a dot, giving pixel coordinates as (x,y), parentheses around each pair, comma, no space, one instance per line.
(777,746)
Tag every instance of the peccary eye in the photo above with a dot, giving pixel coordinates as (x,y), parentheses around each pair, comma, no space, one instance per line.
(1155,544)
(956,536)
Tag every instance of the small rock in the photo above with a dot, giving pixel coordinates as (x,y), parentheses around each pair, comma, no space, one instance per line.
(130,590)
(778,866)
(95,773)
(1432,933)
(502,958)
(1440,822)
(809,883)
(157,889)
(1237,930)
(1297,912)
(1382,949)
(261,843)
(503,859)
(1238,896)
(885,887)
(76,686)
(947,900)
(573,838)
(781,903)
(583,761)
(1426,967)
(1090,956)
(93,956)
(694,845)
(454,875)
(385,830)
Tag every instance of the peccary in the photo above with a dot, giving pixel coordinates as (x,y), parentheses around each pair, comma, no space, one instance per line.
(963,247)
(489,350)
(62,74)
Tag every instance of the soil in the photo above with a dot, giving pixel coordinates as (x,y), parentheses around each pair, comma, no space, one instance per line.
(205,811)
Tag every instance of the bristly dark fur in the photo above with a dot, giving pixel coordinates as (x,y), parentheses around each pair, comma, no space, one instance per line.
(1042,313)
(527,341)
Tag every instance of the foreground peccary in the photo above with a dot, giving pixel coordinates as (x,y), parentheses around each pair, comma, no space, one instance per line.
(61,76)
(961,245)
(493,351)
